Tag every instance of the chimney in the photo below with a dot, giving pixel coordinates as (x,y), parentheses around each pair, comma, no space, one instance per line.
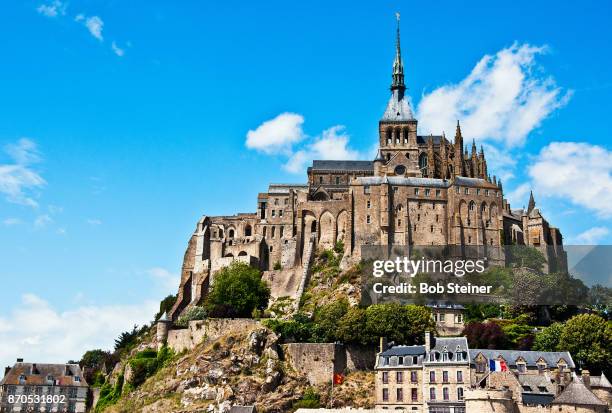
(6,370)
(428,341)
(586,378)
(382,346)
(19,360)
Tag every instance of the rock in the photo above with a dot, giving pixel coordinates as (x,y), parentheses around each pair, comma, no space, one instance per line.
(215,375)
(128,373)
(271,353)
(225,407)
(257,340)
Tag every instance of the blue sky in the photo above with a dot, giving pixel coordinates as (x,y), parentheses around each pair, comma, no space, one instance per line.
(121,124)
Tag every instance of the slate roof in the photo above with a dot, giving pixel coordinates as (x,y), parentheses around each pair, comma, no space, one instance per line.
(398,109)
(342,166)
(537,399)
(424,138)
(36,374)
(601,381)
(401,180)
(404,351)
(578,394)
(536,382)
(450,343)
(530,357)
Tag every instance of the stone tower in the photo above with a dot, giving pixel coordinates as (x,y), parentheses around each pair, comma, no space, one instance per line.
(398,128)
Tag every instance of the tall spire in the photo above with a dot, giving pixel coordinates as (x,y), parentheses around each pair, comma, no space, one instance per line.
(398,64)
(531,204)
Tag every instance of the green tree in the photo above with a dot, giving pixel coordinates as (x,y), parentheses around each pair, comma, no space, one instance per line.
(399,323)
(525,256)
(236,291)
(352,327)
(588,338)
(194,313)
(327,317)
(165,306)
(548,338)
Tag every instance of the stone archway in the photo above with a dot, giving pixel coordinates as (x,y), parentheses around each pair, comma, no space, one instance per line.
(327,229)
(343,231)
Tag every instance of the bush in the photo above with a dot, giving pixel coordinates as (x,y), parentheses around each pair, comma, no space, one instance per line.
(485,335)
(147,362)
(548,339)
(165,306)
(194,313)
(588,338)
(109,395)
(310,400)
(236,291)
(339,247)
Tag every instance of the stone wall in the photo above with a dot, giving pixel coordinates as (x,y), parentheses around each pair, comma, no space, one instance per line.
(316,361)
(319,361)
(209,329)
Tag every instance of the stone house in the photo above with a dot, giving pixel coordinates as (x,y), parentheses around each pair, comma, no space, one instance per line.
(37,387)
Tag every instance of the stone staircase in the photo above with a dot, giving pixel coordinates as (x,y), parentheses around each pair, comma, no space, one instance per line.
(310,248)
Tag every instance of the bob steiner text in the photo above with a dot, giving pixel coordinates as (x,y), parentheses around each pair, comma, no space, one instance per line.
(424,288)
(413,267)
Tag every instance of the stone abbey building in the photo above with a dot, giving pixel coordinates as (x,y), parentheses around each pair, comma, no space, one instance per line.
(418,191)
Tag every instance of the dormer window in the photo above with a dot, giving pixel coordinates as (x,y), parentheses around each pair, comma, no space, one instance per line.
(400,361)
(77,379)
(521,367)
(445,356)
(459,356)
(22,379)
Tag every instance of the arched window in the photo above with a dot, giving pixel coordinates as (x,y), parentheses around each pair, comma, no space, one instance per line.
(423,162)
(247,231)
(265,232)
(313,226)
(388,136)
(231,233)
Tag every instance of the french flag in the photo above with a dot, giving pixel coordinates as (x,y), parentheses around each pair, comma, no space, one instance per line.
(497,365)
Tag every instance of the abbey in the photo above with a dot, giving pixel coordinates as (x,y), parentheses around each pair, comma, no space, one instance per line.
(418,191)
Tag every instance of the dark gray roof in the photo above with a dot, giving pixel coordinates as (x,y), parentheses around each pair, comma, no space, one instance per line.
(537,398)
(539,383)
(530,357)
(342,166)
(450,343)
(578,394)
(404,351)
(400,180)
(424,139)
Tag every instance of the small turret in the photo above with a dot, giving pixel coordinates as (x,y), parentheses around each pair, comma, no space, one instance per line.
(531,204)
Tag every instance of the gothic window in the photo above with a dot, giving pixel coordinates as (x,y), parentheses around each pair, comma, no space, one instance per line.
(472,206)
(273,232)
(438,193)
(388,136)
(407,155)
(282,230)
(247,231)
(405,133)
(265,232)
(231,233)
(423,161)
(486,192)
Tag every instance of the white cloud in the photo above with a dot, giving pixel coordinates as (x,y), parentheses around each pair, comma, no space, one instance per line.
(52,9)
(117,50)
(577,171)
(277,135)
(94,24)
(38,332)
(504,98)
(332,144)
(167,280)
(18,178)
(11,221)
(42,221)
(94,221)
(591,236)
(518,197)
